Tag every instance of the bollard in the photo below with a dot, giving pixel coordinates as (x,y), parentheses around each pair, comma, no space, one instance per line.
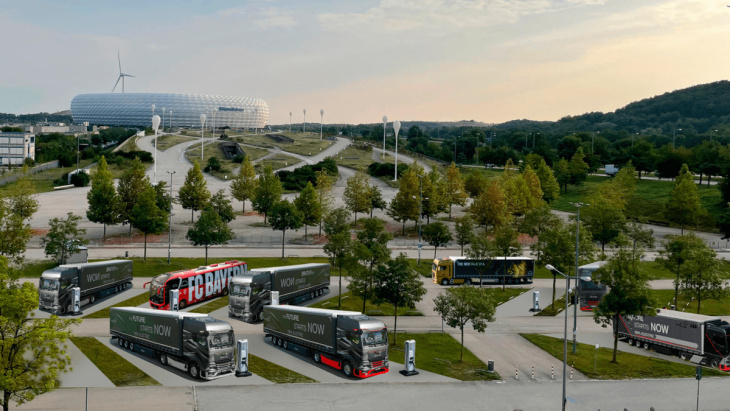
(517,376)
(490,366)
(532,376)
(571,371)
(552,372)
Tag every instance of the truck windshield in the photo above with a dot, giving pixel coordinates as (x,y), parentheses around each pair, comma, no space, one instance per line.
(590,285)
(48,285)
(220,340)
(241,290)
(374,338)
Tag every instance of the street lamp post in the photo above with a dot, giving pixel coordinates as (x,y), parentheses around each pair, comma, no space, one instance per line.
(321,122)
(674,137)
(215,111)
(593,137)
(169,221)
(169,120)
(565,329)
(385,123)
(420,215)
(396,127)
(155,125)
(202,133)
(290,121)
(304,130)
(163,118)
(577,298)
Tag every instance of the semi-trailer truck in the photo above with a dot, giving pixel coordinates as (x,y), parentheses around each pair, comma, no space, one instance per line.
(54,286)
(461,270)
(699,338)
(346,340)
(590,292)
(196,343)
(250,292)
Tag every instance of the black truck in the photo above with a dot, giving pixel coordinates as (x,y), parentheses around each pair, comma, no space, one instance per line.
(699,338)
(346,340)
(250,292)
(54,287)
(196,343)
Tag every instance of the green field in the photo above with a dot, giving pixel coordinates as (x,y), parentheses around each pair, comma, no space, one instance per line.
(439,354)
(211,149)
(664,298)
(306,144)
(276,162)
(628,366)
(276,373)
(44,179)
(354,303)
(119,371)
(654,270)
(254,153)
(357,158)
(168,140)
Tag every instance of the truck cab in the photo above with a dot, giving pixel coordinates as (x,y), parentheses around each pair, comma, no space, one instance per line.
(442,271)
(248,294)
(210,343)
(365,341)
(54,289)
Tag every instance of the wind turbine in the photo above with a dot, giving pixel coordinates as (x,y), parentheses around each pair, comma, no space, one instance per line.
(121,75)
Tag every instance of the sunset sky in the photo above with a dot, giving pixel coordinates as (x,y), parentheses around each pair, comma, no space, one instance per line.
(484,60)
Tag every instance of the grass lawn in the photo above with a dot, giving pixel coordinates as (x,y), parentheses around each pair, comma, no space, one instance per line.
(684,303)
(276,373)
(167,141)
(424,269)
(35,268)
(354,303)
(553,310)
(648,200)
(44,179)
(254,153)
(212,149)
(130,144)
(130,302)
(306,144)
(629,366)
(439,354)
(120,371)
(653,268)
(211,306)
(358,157)
(276,162)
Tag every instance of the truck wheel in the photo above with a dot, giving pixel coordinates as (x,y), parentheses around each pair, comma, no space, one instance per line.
(347,369)
(444,282)
(317,357)
(630,341)
(285,344)
(261,316)
(647,345)
(69,309)
(683,355)
(194,370)
(120,342)
(225,291)
(311,296)
(182,304)
(92,299)
(126,344)
(273,340)
(279,342)
(714,363)
(131,346)
(163,358)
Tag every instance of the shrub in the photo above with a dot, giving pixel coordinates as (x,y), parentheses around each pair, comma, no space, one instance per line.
(386,169)
(213,164)
(80,179)
(28,162)
(296,180)
(238,158)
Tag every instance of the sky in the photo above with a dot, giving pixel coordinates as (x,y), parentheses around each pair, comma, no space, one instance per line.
(428,60)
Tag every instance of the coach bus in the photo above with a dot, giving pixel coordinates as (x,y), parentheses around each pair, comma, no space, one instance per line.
(591,292)
(196,285)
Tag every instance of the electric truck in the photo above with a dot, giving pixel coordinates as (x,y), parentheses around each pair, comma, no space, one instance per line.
(461,270)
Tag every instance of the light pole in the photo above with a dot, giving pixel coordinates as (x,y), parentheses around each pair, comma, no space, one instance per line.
(577,301)
(163,118)
(290,121)
(674,137)
(385,123)
(305,120)
(155,124)
(396,127)
(202,133)
(215,111)
(593,137)
(321,121)
(420,215)
(169,222)
(153,109)
(565,329)
(169,120)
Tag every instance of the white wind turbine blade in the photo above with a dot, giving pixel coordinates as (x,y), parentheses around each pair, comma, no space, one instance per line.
(115,84)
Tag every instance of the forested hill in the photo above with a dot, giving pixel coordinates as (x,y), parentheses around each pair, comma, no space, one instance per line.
(696,108)
(62,117)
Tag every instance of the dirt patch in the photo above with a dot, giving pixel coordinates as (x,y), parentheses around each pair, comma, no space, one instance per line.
(123,239)
(37,232)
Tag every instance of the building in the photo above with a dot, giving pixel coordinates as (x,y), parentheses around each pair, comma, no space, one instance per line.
(181,110)
(16,147)
(70,129)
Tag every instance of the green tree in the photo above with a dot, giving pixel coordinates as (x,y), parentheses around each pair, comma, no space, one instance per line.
(103,200)
(371,249)
(14,233)
(535,222)
(148,217)
(578,168)
(268,192)
(677,251)
(562,173)
(222,205)
(461,305)
(464,230)
(339,245)
(376,200)
(434,195)
(64,237)
(474,184)
(490,208)
(308,205)
(701,277)
(455,190)
(723,223)
(533,184)
(21,199)
(683,207)
(324,184)
(357,194)
(33,350)
(603,216)
(629,291)
(506,244)
(131,184)
(285,216)
(404,206)
(194,194)
(517,195)
(438,235)
(209,230)
(243,187)
(548,182)
(483,249)
(398,284)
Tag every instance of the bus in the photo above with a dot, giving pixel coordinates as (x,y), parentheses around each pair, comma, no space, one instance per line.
(590,293)
(195,285)
(462,270)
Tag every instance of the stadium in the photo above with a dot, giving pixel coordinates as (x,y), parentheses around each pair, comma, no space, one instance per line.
(181,110)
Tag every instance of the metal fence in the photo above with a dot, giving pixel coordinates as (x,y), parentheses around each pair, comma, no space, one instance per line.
(37,169)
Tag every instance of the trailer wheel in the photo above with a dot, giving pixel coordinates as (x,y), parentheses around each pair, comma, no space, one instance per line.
(163,358)
(630,341)
(317,357)
(194,370)
(273,340)
(311,296)
(182,304)
(444,282)
(120,342)
(683,355)
(92,299)
(126,344)
(279,342)
(347,369)
(647,345)
(131,346)
(285,344)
